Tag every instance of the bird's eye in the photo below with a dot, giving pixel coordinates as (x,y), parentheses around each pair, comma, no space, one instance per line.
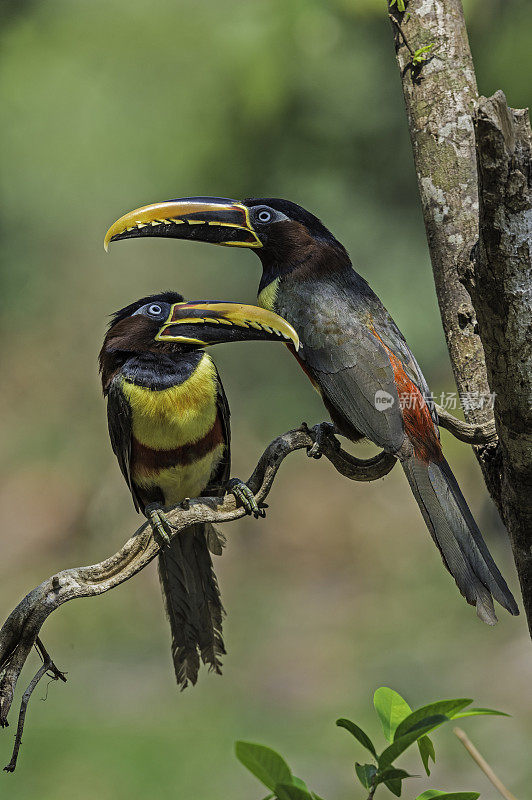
(264,215)
(154,310)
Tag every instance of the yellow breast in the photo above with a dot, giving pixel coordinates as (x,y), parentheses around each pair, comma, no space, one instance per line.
(181,480)
(169,418)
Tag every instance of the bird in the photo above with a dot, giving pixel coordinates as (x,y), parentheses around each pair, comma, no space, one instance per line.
(353,353)
(168,421)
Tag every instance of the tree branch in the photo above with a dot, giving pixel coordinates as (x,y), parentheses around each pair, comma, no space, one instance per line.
(21,629)
(475,433)
(47,668)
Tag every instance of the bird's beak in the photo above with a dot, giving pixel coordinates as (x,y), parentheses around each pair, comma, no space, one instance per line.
(202,323)
(202,219)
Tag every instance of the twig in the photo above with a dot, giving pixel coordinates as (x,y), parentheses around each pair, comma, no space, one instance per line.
(56,674)
(46,668)
(20,631)
(403,37)
(475,433)
(483,764)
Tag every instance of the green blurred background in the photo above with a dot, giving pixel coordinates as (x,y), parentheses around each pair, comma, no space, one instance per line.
(107,106)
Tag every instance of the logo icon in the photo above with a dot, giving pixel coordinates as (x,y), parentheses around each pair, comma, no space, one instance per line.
(383,400)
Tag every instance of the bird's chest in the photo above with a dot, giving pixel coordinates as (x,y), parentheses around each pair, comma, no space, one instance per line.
(318,312)
(177,436)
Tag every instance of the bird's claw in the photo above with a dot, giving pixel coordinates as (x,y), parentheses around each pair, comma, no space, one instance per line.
(246,498)
(320,433)
(160,525)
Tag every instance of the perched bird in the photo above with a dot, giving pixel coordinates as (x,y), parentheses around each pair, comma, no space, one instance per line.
(169,427)
(352,351)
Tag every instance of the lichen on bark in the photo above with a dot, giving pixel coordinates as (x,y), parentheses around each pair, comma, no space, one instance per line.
(482,247)
(440,99)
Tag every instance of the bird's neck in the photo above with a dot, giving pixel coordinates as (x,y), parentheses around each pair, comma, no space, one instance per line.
(159,371)
(316,263)
(156,371)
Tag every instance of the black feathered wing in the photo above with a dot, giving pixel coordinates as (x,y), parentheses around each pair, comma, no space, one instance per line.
(120,433)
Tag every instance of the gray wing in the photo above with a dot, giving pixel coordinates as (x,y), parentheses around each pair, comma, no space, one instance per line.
(355,376)
(347,360)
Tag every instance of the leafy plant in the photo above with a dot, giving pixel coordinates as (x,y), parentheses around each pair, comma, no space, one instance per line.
(402,728)
(399,3)
(421,54)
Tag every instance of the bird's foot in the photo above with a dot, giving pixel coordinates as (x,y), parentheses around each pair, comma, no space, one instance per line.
(324,432)
(159,523)
(246,498)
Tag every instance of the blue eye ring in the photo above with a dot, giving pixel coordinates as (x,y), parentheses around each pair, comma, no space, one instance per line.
(264,215)
(154,310)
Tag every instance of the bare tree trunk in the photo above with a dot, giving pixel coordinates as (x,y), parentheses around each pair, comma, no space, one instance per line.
(441,98)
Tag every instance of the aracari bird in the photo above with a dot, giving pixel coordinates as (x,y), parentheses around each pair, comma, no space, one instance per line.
(352,351)
(169,427)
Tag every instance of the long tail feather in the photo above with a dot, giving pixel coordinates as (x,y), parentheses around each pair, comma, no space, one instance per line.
(457,536)
(193,603)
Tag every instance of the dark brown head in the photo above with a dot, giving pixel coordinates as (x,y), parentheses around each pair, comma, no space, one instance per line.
(164,323)
(283,234)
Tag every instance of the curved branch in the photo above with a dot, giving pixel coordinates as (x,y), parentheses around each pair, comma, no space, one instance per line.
(21,629)
(471,433)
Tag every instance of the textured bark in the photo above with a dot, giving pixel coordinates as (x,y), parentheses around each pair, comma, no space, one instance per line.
(440,97)
(441,102)
(501,289)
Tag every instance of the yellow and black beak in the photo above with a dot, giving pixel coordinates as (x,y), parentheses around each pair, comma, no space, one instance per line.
(202,219)
(202,323)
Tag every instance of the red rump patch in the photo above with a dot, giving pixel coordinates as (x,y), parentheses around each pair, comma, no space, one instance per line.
(419,426)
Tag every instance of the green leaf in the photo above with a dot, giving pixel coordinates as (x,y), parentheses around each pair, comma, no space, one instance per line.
(420,55)
(430,793)
(265,764)
(399,745)
(442,707)
(289,791)
(478,712)
(395,787)
(366,773)
(358,733)
(391,708)
(393,779)
(400,4)
(298,782)
(426,751)
(391,774)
